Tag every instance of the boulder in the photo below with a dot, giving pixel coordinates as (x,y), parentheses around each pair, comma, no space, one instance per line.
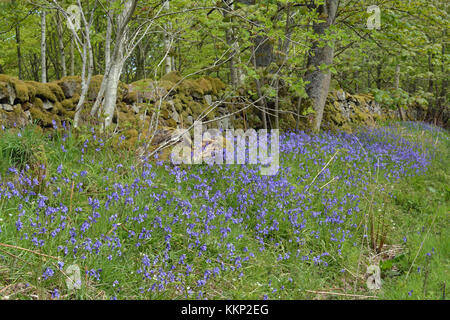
(134,108)
(47,105)
(70,86)
(6,107)
(7,92)
(18,118)
(208,99)
(175,116)
(341,95)
(145,91)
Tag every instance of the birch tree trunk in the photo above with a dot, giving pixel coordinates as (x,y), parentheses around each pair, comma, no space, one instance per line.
(88,62)
(72,57)
(108,39)
(111,92)
(168,42)
(320,54)
(43,49)
(110,81)
(61,44)
(167,49)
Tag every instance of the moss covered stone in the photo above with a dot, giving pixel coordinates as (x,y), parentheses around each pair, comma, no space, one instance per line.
(43,90)
(179,106)
(205,85)
(70,86)
(20,88)
(13,119)
(197,108)
(3,89)
(57,91)
(68,104)
(173,77)
(94,87)
(216,84)
(131,133)
(38,103)
(44,118)
(164,113)
(172,123)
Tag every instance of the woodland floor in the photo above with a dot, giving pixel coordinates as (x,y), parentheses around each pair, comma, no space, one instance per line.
(73,202)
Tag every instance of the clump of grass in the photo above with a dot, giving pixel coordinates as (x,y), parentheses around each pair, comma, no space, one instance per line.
(22,149)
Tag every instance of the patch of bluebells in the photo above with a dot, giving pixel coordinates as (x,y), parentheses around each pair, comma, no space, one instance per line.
(190,235)
(48,273)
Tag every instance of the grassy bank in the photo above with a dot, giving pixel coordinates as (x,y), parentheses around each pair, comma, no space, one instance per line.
(139,229)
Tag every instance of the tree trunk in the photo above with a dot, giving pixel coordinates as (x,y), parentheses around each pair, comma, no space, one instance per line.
(277,113)
(72,57)
(96,107)
(397,87)
(88,62)
(262,100)
(19,53)
(442,99)
(231,42)
(379,69)
(87,54)
(61,44)
(43,49)
(167,48)
(34,63)
(168,42)
(111,92)
(111,79)
(108,39)
(233,75)
(141,54)
(320,54)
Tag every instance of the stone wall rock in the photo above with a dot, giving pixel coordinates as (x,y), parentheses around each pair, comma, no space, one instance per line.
(179,102)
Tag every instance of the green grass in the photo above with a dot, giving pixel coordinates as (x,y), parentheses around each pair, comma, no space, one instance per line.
(421,214)
(410,219)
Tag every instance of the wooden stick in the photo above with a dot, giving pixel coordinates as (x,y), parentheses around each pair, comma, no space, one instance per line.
(326,165)
(14,256)
(341,294)
(4,289)
(71,195)
(28,250)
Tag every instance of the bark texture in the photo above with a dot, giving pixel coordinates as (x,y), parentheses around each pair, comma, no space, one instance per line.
(320,54)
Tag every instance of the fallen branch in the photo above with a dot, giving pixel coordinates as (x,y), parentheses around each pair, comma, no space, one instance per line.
(341,294)
(28,250)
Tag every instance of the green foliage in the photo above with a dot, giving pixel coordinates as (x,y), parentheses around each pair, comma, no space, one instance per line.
(19,148)
(207,42)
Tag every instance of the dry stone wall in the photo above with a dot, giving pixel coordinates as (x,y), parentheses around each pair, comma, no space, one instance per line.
(179,102)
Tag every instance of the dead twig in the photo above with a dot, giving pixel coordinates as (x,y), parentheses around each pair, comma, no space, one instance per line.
(341,294)
(28,250)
